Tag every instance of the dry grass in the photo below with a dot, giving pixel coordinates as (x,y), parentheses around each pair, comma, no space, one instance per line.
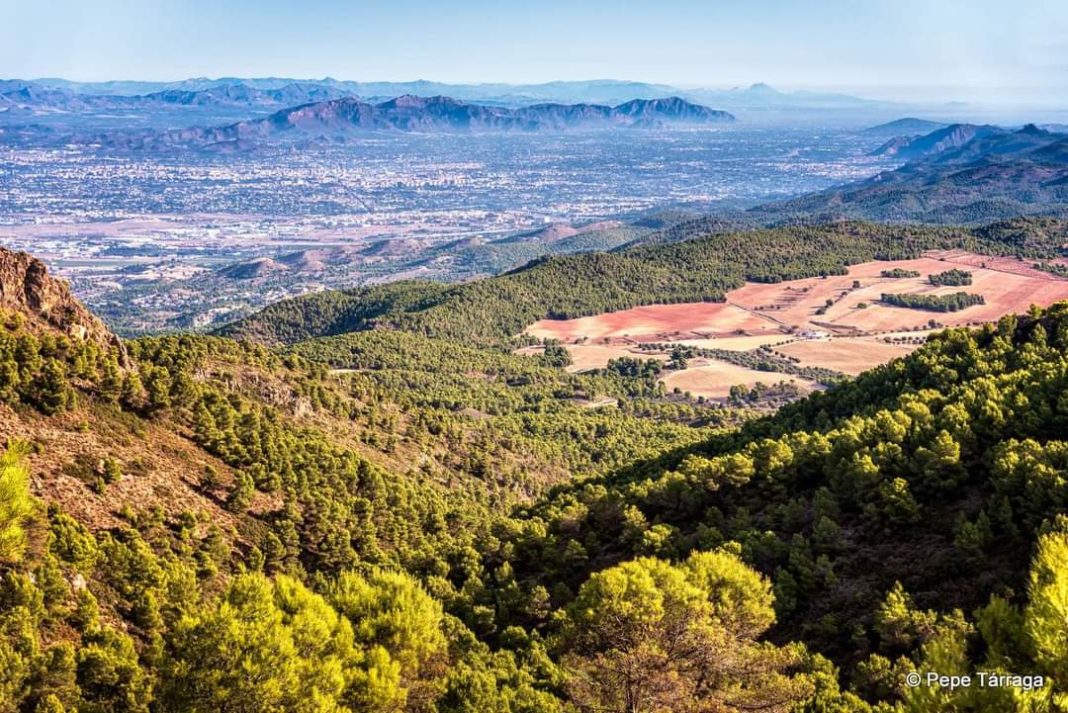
(738,344)
(848,355)
(713,379)
(160,468)
(596,356)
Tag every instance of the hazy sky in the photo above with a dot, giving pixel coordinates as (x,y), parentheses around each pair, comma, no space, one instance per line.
(943,48)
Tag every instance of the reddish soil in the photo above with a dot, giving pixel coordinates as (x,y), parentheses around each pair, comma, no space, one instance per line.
(766,310)
(851,313)
(656,323)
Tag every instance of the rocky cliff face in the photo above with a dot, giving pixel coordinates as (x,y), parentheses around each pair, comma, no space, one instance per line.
(46,301)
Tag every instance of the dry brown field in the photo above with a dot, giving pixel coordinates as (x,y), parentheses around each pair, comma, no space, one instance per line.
(738,344)
(656,323)
(764,312)
(713,379)
(849,336)
(849,355)
(597,356)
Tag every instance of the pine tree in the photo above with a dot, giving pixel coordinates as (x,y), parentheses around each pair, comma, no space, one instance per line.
(241,496)
(52,391)
(134,395)
(111,380)
(16,504)
(647,635)
(1046,615)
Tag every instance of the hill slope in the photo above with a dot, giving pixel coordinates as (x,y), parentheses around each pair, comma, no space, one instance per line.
(560,287)
(27,289)
(959,175)
(139,502)
(385,521)
(879,508)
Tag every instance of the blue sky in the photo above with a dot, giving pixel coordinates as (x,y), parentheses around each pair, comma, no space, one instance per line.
(944,48)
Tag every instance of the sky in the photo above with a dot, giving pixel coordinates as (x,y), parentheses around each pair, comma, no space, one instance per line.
(900,49)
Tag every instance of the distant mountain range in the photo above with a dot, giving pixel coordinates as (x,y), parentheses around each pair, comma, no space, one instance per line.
(61,94)
(36,98)
(337,118)
(761,96)
(599,91)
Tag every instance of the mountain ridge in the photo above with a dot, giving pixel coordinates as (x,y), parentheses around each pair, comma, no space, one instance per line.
(437,114)
(940,140)
(603,91)
(960,174)
(411,112)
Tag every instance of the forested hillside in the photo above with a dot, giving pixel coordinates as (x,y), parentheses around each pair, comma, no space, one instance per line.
(150,487)
(389,521)
(913,519)
(700,269)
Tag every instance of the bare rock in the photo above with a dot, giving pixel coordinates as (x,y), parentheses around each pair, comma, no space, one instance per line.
(46,301)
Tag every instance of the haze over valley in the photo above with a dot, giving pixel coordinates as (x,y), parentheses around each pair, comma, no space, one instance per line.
(195,204)
(149,234)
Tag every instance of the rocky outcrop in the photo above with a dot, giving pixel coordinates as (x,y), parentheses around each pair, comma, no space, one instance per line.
(45,301)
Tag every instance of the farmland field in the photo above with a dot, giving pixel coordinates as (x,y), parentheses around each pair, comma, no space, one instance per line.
(656,323)
(835,322)
(713,379)
(596,356)
(849,355)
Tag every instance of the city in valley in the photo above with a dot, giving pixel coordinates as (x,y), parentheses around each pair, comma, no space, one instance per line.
(193,238)
(161,228)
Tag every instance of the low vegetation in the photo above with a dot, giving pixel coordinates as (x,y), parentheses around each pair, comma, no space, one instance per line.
(1053,268)
(954,302)
(951,278)
(898,273)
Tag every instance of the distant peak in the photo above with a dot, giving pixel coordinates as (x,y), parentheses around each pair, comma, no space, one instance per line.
(414,101)
(1032,130)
